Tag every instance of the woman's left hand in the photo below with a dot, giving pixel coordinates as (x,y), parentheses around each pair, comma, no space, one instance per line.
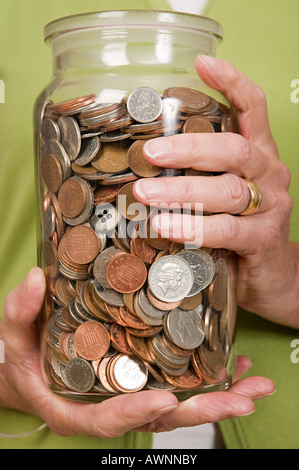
(267,260)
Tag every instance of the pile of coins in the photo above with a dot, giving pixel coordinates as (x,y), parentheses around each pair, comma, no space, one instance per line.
(126,308)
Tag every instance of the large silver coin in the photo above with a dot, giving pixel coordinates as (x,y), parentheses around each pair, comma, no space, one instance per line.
(203,268)
(144,104)
(170,278)
(186,329)
(79,375)
(130,373)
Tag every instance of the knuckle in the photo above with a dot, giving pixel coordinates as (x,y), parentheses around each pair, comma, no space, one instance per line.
(229,227)
(235,190)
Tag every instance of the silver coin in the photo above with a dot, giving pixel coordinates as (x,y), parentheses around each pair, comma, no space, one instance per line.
(109,295)
(70,136)
(130,373)
(50,130)
(170,278)
(79,375)
(147,307)
(100,265)
(203,268)
(185,328)
(144,104)
(88,151)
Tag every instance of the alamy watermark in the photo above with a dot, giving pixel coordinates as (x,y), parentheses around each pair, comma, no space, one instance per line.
(295,93)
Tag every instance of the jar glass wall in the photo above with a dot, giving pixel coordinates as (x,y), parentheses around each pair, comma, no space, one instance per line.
(125,309)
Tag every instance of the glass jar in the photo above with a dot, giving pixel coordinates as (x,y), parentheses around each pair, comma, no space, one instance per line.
(126,309)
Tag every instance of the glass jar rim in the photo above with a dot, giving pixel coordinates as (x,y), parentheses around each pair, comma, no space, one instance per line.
(132,18)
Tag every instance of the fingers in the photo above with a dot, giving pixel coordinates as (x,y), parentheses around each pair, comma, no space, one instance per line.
(219,231)
(216,406)
(208,152)
(246,96)
(23,304)
(112,417)
(224,193)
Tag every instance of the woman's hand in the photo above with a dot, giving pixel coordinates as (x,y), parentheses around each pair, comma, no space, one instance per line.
(267,263)
(22,386)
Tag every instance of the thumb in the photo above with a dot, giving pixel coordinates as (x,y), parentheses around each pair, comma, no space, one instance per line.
(23,304)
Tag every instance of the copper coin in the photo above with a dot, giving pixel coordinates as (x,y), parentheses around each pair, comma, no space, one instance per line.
(72,197)
(106,193)
(150,331)
(119,340)
(82,244)
(139,347)
(139,246)
(159,304)
(126,273)
(193,101)
(111,158)
(217,292)
(197,124)
(131,320)
(52,172)
(138,162)
(187,381)
(91,340)
(102,374)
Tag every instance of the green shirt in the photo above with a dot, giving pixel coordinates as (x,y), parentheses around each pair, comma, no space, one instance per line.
(260,37)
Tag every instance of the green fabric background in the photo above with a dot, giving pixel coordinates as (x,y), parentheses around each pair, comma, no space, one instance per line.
(260,37)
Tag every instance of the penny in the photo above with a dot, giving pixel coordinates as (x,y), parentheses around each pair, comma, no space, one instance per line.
(126,273)
(138,162)
(192,101)
(102,374)
(72,197)
(111,158)
(217,292)
(185,328)
(150,331)
(140,246)
(82,244)
(52,172)
(131,320)
(147,307)
(190,303)
(161,305)
(197,124)
(79,375)
(170,278)
(139,347)
(188,380)
(106,193)
(119,340)
(144,104)
(72,104)
(91,340)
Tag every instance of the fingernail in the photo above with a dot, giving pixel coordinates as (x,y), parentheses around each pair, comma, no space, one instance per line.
(167,409)
(158,149)
(150,189)
(209,61)
(29,277)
